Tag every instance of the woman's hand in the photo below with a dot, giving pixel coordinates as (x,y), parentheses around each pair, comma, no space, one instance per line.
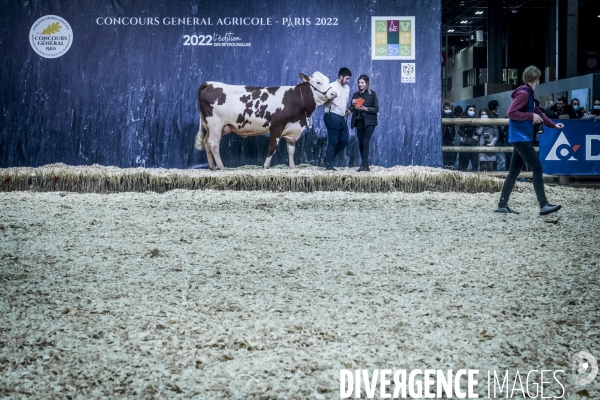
(560,125)
(361,108)
(537,119)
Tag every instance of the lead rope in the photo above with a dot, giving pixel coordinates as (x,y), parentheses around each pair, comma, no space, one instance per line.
(309,122)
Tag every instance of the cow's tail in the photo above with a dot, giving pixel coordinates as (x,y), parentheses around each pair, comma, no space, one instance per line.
(199,145)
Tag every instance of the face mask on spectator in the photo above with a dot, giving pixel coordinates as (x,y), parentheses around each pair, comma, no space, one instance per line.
(596,106)
(484,116)
(447,112)
(471,113)
(575,108)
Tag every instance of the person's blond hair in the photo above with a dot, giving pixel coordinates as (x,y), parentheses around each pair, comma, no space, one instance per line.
(531,74)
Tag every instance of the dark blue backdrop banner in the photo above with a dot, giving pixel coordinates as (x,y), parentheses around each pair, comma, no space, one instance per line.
(115,82)
(573,150)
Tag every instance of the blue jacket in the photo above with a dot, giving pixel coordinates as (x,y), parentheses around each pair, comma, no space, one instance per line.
(522,131)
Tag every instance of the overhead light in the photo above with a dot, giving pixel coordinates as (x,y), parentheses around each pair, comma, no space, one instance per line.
(514,11)
(464,22)
(450,30)
(479,12)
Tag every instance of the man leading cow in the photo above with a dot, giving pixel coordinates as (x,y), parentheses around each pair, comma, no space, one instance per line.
(336,111)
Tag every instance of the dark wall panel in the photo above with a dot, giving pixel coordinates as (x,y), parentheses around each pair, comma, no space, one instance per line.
(126,95)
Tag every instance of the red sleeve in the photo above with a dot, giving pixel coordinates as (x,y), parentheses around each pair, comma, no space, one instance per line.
(519,102)
(547,121)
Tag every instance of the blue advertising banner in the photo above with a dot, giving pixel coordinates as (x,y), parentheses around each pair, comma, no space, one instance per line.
(116,82)
(573,150)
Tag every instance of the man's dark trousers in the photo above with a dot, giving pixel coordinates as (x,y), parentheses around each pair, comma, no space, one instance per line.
(337,136)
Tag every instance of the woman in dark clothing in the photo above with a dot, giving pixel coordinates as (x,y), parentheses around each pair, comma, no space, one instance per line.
(595,110)
(364,107)
(448,133)
(458,110)
(468,137)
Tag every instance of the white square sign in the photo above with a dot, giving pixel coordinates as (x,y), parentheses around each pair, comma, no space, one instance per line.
(407,73)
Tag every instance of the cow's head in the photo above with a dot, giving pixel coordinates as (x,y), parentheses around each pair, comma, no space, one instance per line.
(321,89)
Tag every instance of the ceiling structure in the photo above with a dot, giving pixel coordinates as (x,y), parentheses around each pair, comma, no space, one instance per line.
(462,18)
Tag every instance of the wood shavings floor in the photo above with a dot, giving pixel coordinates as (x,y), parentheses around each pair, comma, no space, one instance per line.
(210,294)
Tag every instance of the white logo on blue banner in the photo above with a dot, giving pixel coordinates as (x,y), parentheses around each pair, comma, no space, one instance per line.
(573,150)
(51,36)
(588,148)
(562,150)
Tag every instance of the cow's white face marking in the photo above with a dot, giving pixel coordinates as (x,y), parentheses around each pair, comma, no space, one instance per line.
(321,83)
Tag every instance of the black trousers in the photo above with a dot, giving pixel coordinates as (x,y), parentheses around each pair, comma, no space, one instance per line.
(364,134)
(337,136)
(448,158)
(524,154)
(463,161)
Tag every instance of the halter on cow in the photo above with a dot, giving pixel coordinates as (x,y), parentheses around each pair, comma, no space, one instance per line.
(250,111)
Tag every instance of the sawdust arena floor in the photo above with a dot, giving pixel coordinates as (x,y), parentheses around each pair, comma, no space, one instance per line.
(210,294)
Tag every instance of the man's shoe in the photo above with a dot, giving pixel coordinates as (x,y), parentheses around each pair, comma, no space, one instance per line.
(505,210)
(330,169)
(548,209)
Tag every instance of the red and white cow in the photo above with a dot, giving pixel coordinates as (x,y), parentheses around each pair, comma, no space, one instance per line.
(250,111)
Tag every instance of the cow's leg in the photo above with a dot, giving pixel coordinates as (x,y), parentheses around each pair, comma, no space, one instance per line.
(213,144)
(291,135)
(291,147)
(209,155)
(273,142)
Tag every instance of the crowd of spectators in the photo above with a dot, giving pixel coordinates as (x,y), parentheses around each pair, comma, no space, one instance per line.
(496,136)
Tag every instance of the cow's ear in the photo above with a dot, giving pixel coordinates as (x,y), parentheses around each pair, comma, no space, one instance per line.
(304,78)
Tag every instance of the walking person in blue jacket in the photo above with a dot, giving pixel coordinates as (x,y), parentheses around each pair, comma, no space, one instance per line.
(523,114)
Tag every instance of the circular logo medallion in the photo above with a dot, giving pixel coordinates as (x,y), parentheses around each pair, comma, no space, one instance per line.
(51,36)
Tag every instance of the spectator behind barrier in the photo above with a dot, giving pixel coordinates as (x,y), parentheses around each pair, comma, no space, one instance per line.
(502,159)
(561,108)
(458,110)
(448,133)
(488,136)
(578,111)
(596,108)
(594,113)
(548,110)
(468,137)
